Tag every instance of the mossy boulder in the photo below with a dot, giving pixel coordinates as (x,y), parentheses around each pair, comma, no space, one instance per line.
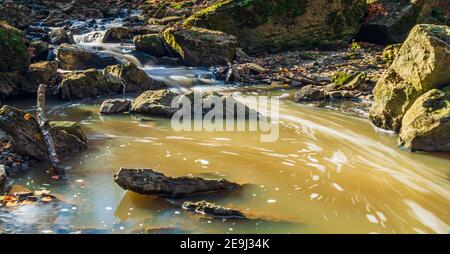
(73,128)
(262,25)
(72,57)
(85,84)
(28,141)
(422,64)
(151,44)
(13,52)
(426,125)
(132,78)
(201,47)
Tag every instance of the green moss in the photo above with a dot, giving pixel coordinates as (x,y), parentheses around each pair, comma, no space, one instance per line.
(262,25)
(13,52)
(341,78)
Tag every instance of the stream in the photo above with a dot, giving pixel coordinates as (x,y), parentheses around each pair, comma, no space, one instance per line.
(329,171)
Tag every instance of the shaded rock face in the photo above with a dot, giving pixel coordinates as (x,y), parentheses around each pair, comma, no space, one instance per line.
(113,106)
(85,84)
(201,47)
(149,182)
(422,64)
(60,36)
(155,102)
(74,58)
(13,53)
(19,16)
(117,34)
(213,210)
(394,24)
(40,73)
(309,93)
(133,78)
(27,140)
(151,44)
(426,125)
(41,50)
(262,26)
(11,84)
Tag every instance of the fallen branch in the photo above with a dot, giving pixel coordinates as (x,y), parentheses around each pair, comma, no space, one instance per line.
(44,126)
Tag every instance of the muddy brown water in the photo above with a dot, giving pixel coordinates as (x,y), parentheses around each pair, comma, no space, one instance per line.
(329,172)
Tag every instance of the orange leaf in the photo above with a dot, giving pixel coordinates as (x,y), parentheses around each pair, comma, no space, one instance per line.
(27,117)
(7,145)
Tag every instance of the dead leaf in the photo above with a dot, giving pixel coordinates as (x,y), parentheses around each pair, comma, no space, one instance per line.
(27,117)
(46,199)
(38,136)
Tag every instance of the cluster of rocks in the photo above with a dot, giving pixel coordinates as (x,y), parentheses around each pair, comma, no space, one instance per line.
(412,96)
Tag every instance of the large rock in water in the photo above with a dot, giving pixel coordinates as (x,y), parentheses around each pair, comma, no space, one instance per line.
(262,26)
(74,58)
(133,78)
(27,139)
(201,47)
(13,53)
(151,44)
(155,103)
(422,64)
(426,125)
(85,84)
(149,182)
(112,106)
(395,20)
(160,103)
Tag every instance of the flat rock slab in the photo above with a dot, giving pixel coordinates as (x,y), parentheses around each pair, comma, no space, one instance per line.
(149,182)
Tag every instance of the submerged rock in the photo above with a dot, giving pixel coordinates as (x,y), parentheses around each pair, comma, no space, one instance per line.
(74,58)
(151,44)
(85,84)
(27,139)
(201,47)
(262,26)
(426,125)
(149,182)
(132,78)
(112,106)
(13,52)
(213,210)
(422,64)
